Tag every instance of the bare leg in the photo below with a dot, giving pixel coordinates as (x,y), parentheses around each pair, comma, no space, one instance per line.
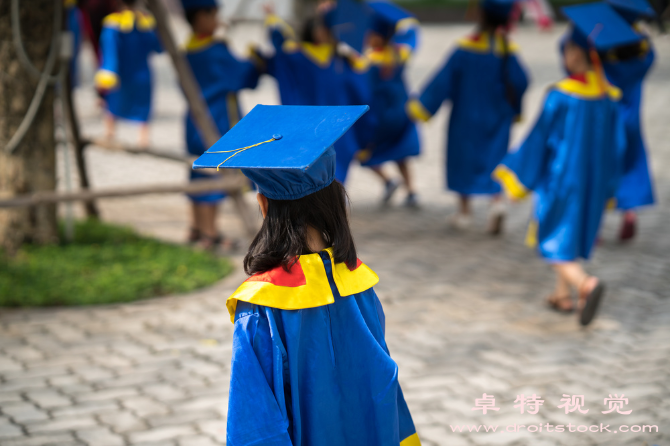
(496,215)
(380,173)
(464,202)
(572,273)
(110,123)
(403,167)
(194,232)
(208,222)
(628,226)
(143,141)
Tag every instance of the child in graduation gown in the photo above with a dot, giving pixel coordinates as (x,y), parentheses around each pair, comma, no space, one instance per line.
(571,159)
(310,363)
(485,82)
(392,39)
(312,71)
(220,76)
(626,68)
(124,78)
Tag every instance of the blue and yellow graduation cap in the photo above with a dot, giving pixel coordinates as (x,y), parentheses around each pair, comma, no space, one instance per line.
(597,25)
(349,21)
(198,4)
(633,10)
(286,150)
(386,17)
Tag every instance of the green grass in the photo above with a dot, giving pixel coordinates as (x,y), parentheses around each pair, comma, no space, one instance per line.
(104,264)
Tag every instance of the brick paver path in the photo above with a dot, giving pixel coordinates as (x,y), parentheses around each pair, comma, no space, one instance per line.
(465,314)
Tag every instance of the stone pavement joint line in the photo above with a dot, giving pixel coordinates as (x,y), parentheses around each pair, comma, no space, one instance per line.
(464,312)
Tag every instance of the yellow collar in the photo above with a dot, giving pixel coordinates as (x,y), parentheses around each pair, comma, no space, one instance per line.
(198,43)
(481,43)
(124,21)
(304,286)
(320,54)
(587,87)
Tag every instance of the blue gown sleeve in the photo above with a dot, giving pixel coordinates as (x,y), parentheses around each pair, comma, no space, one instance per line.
(438,90)
(407,34)
(107,76)
(256,406)
(155,42)
(522,170)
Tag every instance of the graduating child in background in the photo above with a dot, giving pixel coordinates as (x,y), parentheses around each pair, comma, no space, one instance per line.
(485,82)
(392,38)
(124,78)
(310,363)
(311,71)
(571,158)
(220,76)
(626,67)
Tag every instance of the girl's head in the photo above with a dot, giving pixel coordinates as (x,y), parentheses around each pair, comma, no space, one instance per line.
(575,56)
(128,3)
(315,31)
(203,21)
(289,225)
(491,20)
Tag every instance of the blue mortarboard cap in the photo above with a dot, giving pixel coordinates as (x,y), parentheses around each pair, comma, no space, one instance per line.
(499,8)
(633,10)
(598,25)
(286,150)
(196,4)
(386,16)
(349,21)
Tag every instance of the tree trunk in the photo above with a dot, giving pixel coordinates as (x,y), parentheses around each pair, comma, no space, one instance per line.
(32,166)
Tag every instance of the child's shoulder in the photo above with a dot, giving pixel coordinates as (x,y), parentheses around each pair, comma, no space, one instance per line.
(481,43)
(197,44)
(125,21)
(587,87)
(305,284)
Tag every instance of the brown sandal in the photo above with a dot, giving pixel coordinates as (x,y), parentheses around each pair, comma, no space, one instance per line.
(590,300)
(557,303)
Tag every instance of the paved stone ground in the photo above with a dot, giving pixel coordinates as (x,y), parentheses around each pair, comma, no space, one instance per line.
(464,312)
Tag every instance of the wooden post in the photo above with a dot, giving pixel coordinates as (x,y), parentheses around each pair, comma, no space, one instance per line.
(203,120)
(79,145)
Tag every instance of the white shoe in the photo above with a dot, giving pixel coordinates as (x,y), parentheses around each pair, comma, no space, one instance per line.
(460,221)
(497,213)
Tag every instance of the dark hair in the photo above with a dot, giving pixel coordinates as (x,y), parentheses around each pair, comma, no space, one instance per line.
(129,3)
(283,236)
(492,22)
(307,34)
(627,52)
(191,13)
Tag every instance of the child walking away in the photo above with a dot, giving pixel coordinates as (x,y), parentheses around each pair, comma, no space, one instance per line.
(572,157)
(485,82)
(312,71)
(124,78)
(626,67)
(310,364)
(392,38)
(220,76)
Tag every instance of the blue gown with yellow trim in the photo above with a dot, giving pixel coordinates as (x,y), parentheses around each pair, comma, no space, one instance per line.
(571,159)
(310,74)
(126,41)
(636,187)
(220,76)
(394,136)
(310,364)
(481,114)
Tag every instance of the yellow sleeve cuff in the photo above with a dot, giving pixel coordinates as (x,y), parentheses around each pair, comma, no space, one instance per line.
(416,111)
(412,440)
(508,179)
(274,21)
(106,80)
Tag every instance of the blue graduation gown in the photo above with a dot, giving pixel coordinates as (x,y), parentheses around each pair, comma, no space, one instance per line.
(309,74)
(481,114)
(310,364)
(127,39)
(220,76)
(571,159)
(73,23)
(394,136)
(636,187)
